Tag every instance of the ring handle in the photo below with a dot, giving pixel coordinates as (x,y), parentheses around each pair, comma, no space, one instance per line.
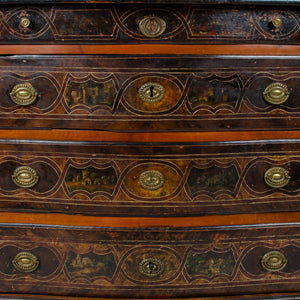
(276,93)
(273,261)
(25,262)
(23,94)
(25,177)
(276,177)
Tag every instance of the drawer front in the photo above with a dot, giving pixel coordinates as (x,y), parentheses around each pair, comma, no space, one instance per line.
(142,93)
(132,24)
(149,262)
(157,179)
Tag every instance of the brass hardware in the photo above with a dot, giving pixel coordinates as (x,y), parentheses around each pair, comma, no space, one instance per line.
(277,22)
(23,94)
(25,262)
(151,92)
(25,177)
(273,261)
(151,267)
(276,177)
(276,93)
(151,180)
(152,26)
(25,22)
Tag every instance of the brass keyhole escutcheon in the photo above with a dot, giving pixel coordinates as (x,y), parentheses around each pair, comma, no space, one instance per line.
(152,26)
(276,22)
(25,22)
(23,94)
(25,262)
(151,180)
(273,261)
(25,177)
(276,93)
(151,92)
(276,177)
(151,267)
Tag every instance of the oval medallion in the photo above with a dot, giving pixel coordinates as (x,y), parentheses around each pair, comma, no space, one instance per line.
(151,180)
(25,177)
(25,262)
(276,177)
(23,94)
(273,261)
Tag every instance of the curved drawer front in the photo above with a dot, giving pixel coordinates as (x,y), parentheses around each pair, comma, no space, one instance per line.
(138,93)
(158,179)
(132,24)
(150,262)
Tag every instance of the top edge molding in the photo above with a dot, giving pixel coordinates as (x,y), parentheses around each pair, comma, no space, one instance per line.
(205,2)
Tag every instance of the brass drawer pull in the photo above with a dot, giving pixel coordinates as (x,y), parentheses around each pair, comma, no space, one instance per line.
(276,22)
(151,92)
(276,177)
(25,22)
(276,93)
(152,26)
(23,94)
(151,267)
(25,262)
(25,177)
(273,261)
(151,180)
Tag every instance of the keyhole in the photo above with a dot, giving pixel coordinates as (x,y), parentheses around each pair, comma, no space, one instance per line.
(151,267)
(151,91)
(153,25)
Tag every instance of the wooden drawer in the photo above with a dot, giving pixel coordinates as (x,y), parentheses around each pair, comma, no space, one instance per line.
(148,262)
(142,93)
(157,179)
(133,24)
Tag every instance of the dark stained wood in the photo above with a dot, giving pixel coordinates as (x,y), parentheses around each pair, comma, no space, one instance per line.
(88,220)
(117,24)
(73,256)
(104,178)
(140,2)
(283,296)
(213,2)
(216,93)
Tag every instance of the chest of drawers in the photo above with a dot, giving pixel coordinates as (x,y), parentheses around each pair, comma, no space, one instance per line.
(149,149)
